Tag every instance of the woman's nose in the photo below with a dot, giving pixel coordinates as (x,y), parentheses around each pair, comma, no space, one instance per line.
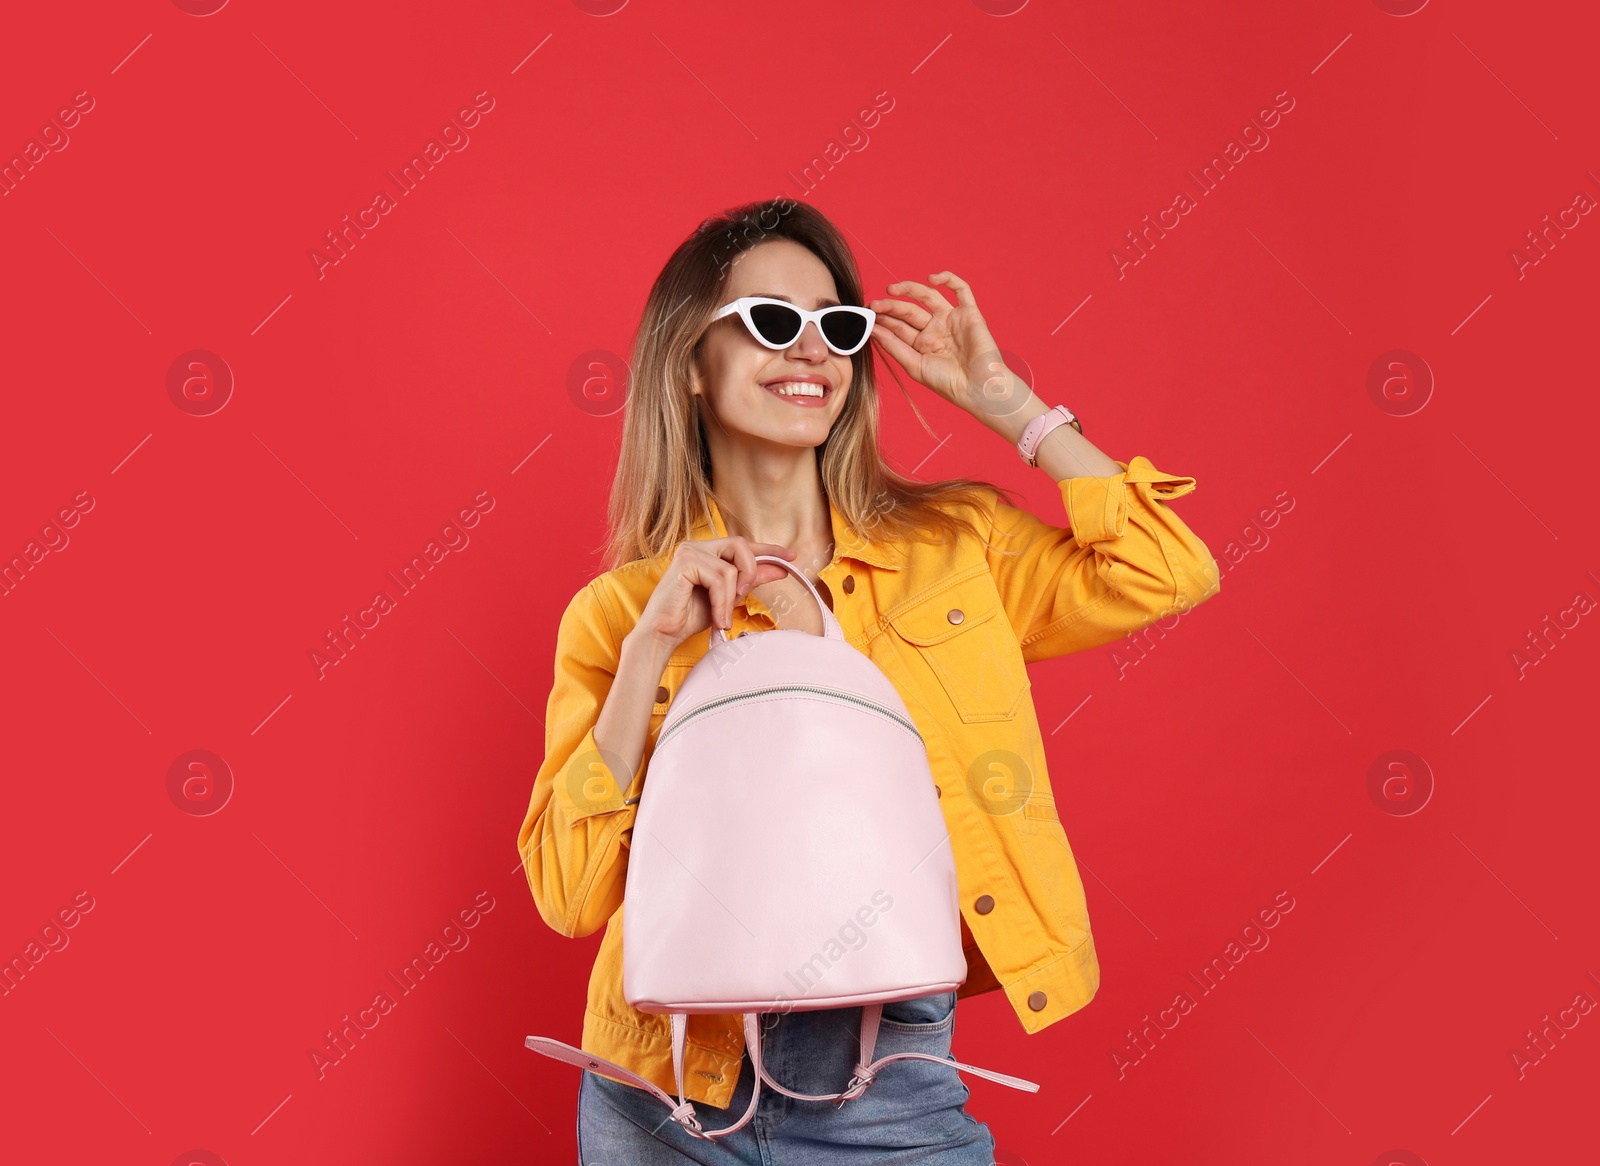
(810,339)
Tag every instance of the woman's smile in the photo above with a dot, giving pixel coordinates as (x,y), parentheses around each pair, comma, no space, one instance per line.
(807,390)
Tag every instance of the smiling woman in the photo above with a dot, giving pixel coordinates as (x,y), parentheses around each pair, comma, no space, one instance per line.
(751,433)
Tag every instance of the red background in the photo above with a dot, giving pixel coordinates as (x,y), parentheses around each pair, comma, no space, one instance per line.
(432,363)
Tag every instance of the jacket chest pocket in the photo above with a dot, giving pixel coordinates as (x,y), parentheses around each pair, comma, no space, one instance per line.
(962,635)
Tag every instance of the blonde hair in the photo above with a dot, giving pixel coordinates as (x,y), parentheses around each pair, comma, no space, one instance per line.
(663,474)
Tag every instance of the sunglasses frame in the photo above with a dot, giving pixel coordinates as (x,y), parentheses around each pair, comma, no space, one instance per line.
(743,304)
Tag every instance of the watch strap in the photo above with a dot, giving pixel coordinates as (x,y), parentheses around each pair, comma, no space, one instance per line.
(1036,430)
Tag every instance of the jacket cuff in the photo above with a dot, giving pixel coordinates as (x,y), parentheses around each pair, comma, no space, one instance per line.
(1097,508)
(589,783)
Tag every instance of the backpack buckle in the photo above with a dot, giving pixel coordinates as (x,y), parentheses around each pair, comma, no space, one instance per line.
(856,1087)
(684,1115)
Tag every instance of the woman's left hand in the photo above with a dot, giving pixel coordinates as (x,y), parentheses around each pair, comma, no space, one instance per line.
(947,348)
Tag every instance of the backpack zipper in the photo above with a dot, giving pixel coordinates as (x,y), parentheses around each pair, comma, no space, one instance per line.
(826,693)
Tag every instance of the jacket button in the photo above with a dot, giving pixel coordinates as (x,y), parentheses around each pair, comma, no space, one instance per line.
(937,792)
(1037,1001)
(985,904)
(956,615)
(849,584)
(662,694)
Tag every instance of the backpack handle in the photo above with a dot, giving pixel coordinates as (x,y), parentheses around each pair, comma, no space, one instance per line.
(831,628)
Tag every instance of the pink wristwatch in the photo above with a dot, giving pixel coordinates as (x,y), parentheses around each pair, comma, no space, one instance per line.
(1034,432)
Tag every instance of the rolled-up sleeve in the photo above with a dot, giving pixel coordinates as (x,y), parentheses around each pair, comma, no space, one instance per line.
(1124,560)
(575,836)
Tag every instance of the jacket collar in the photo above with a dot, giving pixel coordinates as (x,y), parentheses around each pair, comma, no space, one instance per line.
(847,544)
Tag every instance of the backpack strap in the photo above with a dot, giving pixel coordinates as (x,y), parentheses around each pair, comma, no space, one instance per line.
(682,1110)
(866,1069)
(832,629)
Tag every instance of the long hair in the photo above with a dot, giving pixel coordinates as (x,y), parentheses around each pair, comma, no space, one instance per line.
(664,466)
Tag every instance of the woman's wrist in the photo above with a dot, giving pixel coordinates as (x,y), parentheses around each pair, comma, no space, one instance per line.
(649,648)
(1005,402)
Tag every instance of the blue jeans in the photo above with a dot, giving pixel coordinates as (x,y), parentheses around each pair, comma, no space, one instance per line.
(912,1112)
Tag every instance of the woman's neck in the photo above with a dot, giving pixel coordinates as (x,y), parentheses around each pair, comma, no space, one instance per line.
(783,506)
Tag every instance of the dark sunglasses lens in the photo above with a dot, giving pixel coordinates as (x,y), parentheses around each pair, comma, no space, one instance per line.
(776,323)
(843,329)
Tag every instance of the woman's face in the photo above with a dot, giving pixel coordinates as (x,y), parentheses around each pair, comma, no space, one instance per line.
(755,390)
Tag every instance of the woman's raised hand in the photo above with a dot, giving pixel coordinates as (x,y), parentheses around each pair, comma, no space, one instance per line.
(946,347)
(703,582)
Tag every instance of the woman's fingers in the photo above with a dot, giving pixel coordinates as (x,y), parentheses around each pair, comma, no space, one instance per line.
(743,574)
(900,328)
(770,573)
(727,578)
(767,572)
(774,549)
(923,294)
(712,574)
(914,314)
(896,347)
(744,560)
(958,285)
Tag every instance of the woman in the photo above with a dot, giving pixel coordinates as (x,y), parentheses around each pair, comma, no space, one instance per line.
(751,429)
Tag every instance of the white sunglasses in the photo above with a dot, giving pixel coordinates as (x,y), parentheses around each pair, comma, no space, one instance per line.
(778,323)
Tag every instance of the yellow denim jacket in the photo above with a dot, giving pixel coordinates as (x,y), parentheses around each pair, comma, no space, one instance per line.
(953,626)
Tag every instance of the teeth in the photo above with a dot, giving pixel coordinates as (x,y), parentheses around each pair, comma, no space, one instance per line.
(797,389)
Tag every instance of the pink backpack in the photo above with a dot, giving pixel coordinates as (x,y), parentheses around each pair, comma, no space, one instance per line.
(790,760)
